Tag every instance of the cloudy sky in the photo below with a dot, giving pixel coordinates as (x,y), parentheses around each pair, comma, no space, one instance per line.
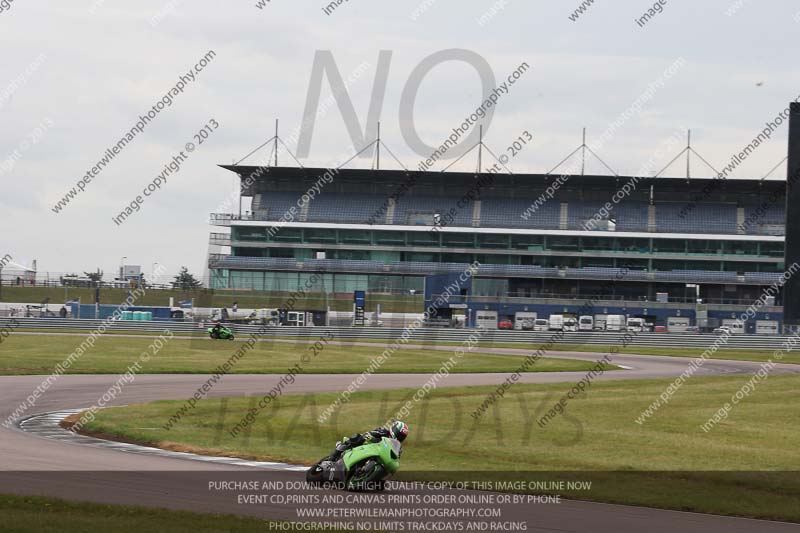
(75,76)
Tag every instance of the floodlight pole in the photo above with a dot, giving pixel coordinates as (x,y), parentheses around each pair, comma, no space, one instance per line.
(378,145)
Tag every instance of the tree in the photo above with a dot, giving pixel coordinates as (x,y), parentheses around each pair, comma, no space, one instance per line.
(185,280)
(94,276)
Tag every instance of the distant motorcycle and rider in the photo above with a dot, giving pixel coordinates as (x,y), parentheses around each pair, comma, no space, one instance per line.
(219,331)
(364,461)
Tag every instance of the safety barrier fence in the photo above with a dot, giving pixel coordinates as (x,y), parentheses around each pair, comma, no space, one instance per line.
(420,335)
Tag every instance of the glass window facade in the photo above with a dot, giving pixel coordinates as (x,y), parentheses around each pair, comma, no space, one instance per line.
(515,244)
(325,283)
(562,252)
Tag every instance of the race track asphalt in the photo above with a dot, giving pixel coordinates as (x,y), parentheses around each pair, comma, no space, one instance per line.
(30,464)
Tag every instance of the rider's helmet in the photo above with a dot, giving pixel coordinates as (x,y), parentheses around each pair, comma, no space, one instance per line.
(399,430)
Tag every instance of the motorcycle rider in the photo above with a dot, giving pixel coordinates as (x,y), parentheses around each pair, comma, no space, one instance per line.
(397,430)
(216,330)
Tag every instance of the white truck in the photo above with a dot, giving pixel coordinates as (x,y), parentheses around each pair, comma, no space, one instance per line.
(541,324)
(570,323)
(556,323)
(486,319)
(678,324)
(615,322)
(636,325)
(585,323)
(600,322)
(524,320)
(767,327)
(736,327)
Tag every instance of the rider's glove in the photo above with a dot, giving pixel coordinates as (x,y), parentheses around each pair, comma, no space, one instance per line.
(375,435)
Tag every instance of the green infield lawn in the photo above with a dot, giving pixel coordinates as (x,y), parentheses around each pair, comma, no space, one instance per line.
(668,461)
(736,355)
(38,354)
(34,514)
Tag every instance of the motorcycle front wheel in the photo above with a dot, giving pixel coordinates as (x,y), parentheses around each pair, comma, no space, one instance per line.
(314,474)
(366,476)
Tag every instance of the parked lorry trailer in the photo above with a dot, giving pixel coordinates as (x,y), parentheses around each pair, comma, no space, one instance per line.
(615,323)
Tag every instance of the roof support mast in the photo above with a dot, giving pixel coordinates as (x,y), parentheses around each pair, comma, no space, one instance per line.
(583,153)
(688,153)
(583,148)
(276,142)
(480,148)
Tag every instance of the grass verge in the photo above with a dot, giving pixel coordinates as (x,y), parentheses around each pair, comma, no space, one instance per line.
(730,354)
(746,466)
(35,514)
(38,354)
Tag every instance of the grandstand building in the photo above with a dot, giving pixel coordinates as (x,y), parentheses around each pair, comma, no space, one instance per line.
(667,247)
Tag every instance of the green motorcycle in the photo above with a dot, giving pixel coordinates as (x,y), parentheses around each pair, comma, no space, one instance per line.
(364,468)
(220,333)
